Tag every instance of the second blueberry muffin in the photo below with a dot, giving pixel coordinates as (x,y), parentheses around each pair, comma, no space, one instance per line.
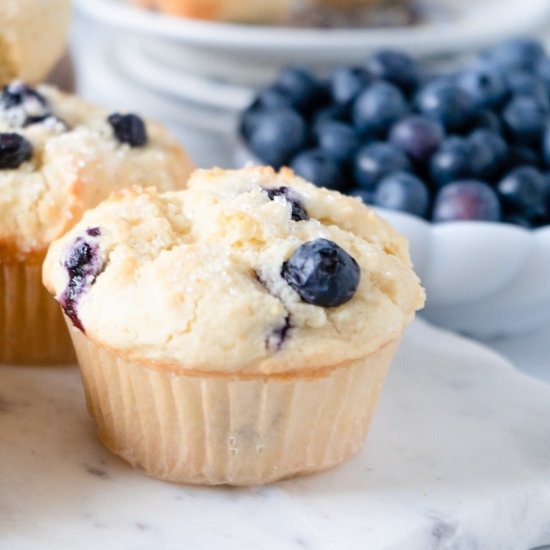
(60,155)
(238,331)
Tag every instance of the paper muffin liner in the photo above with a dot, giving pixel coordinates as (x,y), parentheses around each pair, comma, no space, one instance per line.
(32,329)
(216,429)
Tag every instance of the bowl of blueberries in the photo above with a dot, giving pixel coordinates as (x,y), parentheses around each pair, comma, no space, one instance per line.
(459,162)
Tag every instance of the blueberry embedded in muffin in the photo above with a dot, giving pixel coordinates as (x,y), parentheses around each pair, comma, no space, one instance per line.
(23,105)
(83,264)
(14,150)
(299,212)
(322,273)
(277,337)
(129,129)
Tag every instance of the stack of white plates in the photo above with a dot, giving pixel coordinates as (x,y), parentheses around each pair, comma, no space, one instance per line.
(197,76)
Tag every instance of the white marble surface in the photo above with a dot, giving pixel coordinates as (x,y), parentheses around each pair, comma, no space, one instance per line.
(458,458)
(528,352)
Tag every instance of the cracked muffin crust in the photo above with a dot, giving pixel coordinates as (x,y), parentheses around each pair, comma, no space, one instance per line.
(207,265)
(238,331)
(60,155)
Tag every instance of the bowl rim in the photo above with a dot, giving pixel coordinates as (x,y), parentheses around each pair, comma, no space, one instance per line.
(452,225)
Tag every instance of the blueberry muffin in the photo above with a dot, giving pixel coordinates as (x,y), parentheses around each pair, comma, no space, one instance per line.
(59,156)
(236,332)
(32,37)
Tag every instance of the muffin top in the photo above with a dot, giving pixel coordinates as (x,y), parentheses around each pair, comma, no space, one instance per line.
(247,271)
(60,155)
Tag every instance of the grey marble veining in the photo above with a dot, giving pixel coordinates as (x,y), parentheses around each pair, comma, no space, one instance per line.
(458,458)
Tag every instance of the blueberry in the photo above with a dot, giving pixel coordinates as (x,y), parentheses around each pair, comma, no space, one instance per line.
(542,70)
(517,53)
(486,119)
(128,129)
(417,136)
(23,105)
(366,196)
(547,195)
(489,154)
(522,192)
(447,103)
(339,140)
(93,231)
(376,160)
(377,108)
(395,67)
(14,150)
(79,257)
(247,121)
(521,83)
(299,212)
(539,221)
(483,162)
(318,167)
(404,192)
(83,267)
(272,98)
(485,85)
(516,219)
(346,83)
(451,161)
(493,140)
(276,136)
(525,119)
(301,87)
(466,200)
(546,145)
(520,156)
(322,273)
(269,99)
(277,338)
(327,115)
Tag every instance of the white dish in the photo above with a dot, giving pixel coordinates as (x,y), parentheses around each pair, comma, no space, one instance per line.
(249,54)
(144,68)
(482,279)
(457,458)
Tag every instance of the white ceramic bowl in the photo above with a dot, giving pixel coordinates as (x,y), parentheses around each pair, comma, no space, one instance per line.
(482,279)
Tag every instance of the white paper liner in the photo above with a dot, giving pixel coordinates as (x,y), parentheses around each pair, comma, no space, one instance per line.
(32,329)
(215,429)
